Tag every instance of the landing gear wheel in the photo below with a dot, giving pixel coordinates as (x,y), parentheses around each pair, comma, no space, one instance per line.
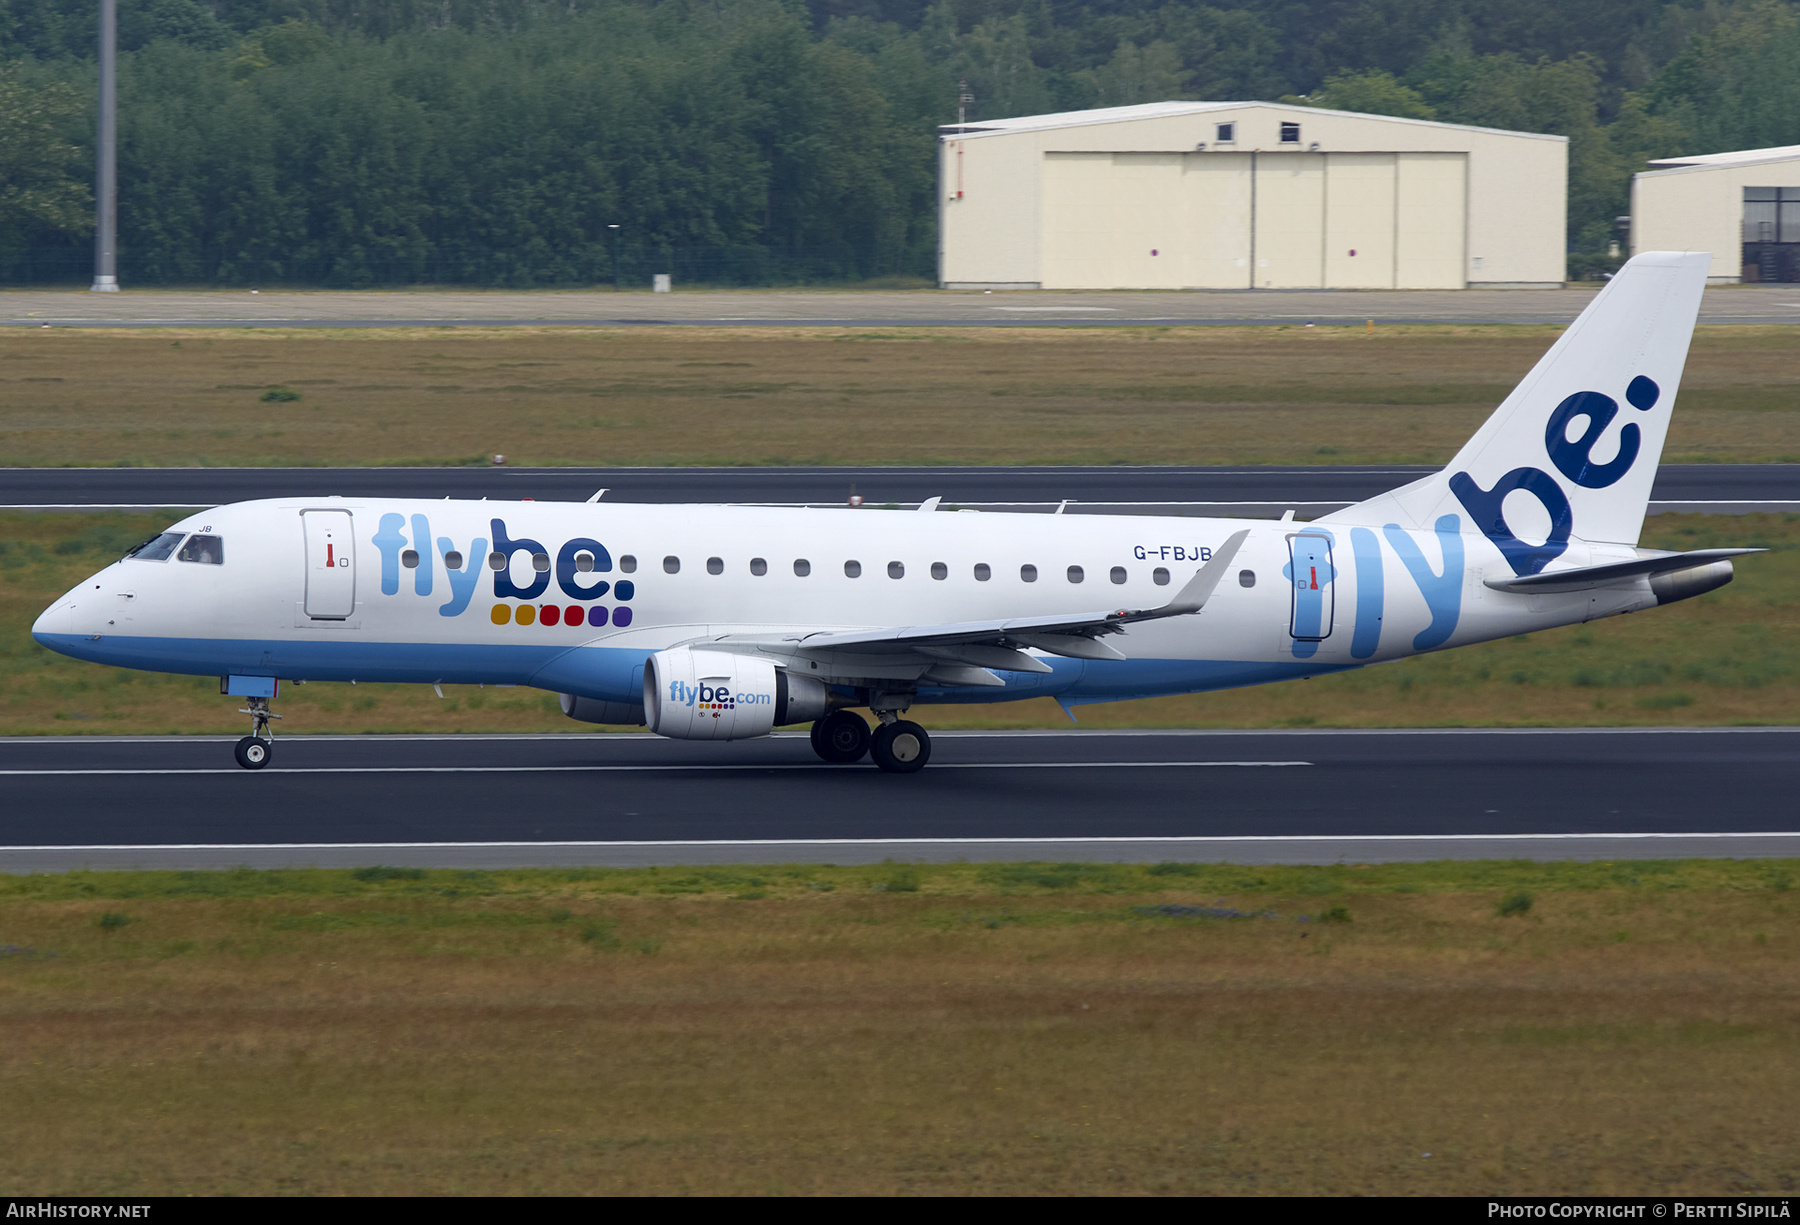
(901,747)
(253,753)
(840,737)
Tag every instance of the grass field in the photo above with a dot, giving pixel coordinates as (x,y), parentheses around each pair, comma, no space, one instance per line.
(1467,1029)
(1732,656)
(820,396)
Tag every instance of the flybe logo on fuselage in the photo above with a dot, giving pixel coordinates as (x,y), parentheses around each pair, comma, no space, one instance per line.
(1571,457)
(577,569)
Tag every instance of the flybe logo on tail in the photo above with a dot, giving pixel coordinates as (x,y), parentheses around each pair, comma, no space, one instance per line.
(1573,457)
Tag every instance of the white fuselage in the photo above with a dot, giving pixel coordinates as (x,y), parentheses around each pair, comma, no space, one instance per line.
(383,603)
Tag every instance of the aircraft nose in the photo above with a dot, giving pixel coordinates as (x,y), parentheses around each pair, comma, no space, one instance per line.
(65,618)
(55,621)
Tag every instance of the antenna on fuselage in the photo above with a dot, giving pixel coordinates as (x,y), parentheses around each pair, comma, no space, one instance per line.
(598,495)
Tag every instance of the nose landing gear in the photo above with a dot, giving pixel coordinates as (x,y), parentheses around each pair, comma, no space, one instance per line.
(254,750)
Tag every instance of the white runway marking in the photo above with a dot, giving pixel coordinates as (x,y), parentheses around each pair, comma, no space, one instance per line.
(1184,840)
(949,765)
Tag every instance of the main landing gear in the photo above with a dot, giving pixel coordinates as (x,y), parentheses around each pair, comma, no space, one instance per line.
(253,751)
(897,746)
(841,737)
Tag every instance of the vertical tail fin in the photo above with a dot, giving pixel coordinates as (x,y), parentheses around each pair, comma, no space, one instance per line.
(1574,449)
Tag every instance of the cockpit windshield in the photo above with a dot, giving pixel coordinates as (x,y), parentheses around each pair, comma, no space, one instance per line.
(208,550)
(157,548)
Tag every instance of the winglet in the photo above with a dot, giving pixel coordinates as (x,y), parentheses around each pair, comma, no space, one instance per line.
(1199,589)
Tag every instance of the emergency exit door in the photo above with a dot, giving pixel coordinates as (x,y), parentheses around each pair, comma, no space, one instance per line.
(1313,590)
(330,564)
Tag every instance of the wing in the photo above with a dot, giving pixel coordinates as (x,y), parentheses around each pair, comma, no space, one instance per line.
(961,653)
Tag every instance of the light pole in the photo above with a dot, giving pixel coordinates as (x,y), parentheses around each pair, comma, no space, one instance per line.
(106,234)
(615,238)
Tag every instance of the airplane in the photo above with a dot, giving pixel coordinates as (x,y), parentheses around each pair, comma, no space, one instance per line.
(718,622)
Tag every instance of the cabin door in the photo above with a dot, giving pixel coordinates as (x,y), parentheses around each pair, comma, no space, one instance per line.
(1313,589)
(330,564)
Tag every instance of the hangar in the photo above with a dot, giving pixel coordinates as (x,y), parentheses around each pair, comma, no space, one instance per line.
(1743,207)
(1247,195)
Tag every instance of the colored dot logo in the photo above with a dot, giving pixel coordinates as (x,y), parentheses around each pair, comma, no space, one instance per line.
(574,616)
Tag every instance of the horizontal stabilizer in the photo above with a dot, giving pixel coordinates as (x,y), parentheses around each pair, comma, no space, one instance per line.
(1588,577)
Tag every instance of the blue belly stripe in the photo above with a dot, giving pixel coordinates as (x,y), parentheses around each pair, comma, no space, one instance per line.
(609,673)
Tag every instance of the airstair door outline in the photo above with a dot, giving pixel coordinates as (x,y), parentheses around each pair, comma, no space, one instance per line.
(1314,591)
(330,564)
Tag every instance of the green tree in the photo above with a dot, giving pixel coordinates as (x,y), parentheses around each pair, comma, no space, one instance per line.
(1151,73)
(1737,86)
(1372,93)
(41,188)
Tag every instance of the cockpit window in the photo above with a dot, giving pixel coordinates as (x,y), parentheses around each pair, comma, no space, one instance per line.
(208,550)
(157,548)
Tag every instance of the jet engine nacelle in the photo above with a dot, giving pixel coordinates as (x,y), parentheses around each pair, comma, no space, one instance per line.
(594,710)
(710,695)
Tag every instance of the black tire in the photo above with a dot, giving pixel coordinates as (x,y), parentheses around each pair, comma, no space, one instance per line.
(840,737)
(253,753)
(901,747)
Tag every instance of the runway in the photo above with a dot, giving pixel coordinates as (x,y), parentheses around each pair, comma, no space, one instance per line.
(153,308)
(1249,797)
(1258,491)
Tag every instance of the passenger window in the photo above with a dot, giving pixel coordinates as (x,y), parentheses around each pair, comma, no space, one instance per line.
(628,564)
(939,570)
(982,573)
(496,560)
(157,548)
(410,559)
(671,565)
(852,569)
(540,562)
(584,561)
(896,570)
(1076,574)
(1118,575)
(758,566)
(802,567)
(453,560)
(1246,578)
(715,565)
(1028,574)
(1160,577)
(208,550)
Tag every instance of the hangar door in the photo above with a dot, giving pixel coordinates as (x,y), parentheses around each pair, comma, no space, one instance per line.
(1146,220)
(1254,220)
